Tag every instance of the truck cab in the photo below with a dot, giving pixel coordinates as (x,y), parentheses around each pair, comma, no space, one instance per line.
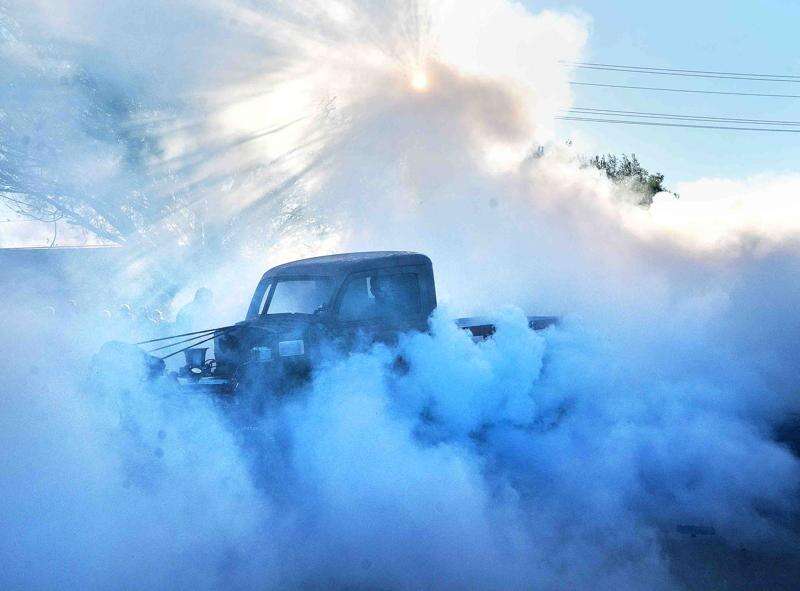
(301,310)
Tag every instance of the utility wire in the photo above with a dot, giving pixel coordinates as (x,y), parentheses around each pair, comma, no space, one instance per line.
(685,90)
(682,72)
(663,124)
(651,115)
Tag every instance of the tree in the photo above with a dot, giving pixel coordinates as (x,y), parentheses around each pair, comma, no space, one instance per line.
(626,170)
(72,155)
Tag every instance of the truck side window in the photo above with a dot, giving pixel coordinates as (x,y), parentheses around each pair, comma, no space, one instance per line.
(380,296)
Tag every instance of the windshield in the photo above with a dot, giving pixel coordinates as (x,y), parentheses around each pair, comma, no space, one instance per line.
(297,296)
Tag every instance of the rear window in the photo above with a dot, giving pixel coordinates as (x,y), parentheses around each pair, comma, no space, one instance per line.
(380,296)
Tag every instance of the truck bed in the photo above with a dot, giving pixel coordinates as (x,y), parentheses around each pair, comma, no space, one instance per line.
(483,328)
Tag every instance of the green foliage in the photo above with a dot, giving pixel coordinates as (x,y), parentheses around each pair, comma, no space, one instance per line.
(627,170)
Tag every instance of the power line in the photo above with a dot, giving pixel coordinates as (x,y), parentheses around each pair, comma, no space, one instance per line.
(651,115)
(688,75)
(684,90)
(663,124)
(684,72)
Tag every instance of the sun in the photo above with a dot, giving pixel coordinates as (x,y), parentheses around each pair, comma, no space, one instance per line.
(419,81)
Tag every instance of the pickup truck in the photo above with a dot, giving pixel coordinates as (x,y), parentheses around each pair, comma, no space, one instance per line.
(304,310)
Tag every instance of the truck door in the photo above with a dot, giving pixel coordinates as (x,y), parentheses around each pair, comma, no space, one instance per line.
(376,305)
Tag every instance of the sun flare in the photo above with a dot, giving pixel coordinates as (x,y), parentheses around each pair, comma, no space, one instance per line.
(419,81)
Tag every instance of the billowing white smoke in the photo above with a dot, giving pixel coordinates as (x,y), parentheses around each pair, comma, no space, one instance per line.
(558,460)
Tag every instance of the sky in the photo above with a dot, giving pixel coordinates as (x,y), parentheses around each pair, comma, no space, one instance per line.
(724,36)
(757,37)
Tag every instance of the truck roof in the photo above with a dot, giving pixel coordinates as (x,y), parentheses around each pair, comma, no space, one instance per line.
(350,263)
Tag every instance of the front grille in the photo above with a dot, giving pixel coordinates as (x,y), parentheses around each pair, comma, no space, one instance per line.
(261,354)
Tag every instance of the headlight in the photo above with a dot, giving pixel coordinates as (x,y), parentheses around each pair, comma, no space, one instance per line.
(261,354)
(291,348)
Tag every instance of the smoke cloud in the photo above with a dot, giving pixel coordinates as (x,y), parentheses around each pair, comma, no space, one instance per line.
(575,458)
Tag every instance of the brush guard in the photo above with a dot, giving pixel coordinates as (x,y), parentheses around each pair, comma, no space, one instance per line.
(198,373)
